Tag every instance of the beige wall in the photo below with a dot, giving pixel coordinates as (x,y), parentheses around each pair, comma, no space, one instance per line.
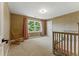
(66,22)
(0,18)
(49,33)
(1,27)
(6,18)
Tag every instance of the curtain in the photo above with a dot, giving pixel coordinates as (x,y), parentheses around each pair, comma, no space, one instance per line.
(25,27)
(19,27)
(44,27)
(16,26)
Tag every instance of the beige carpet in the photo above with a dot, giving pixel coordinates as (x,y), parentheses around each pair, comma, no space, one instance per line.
(32,47)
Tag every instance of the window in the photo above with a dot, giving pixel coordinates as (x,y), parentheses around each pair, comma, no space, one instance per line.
(34,26)
(31,26)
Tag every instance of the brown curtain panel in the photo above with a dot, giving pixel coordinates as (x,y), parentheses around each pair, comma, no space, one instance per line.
(16,26)
(44,27)
(19,27)
(25,27)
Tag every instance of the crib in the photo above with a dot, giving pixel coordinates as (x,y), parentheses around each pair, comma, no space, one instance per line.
(65,44)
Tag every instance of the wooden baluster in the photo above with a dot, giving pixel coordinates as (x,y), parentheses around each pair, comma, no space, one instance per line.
(78,44)
(64,44)
(70,44)
(53,42)
(75,45)
(59,41)
(67,44)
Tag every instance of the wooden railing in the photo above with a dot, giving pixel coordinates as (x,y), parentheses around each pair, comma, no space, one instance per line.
(65,43)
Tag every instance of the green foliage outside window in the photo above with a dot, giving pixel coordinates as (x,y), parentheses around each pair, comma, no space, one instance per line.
(31,26)
(34,26)
(37,25)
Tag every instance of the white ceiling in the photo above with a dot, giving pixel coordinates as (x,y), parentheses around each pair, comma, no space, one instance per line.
(53,8)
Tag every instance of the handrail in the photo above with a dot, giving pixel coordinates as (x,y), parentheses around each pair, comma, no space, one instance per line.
(67,33)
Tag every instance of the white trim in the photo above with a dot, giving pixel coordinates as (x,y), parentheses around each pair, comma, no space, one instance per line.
(6,54)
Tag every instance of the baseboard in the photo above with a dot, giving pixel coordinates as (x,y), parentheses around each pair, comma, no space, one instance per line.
(7,50)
